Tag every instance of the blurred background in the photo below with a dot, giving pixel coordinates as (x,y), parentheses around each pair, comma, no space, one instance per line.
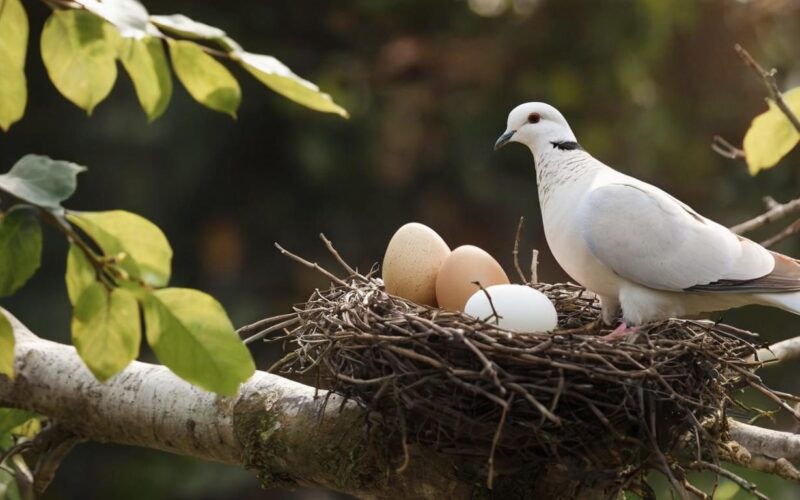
(645,85)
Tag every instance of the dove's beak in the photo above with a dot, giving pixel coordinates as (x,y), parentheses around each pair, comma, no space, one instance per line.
(503,139)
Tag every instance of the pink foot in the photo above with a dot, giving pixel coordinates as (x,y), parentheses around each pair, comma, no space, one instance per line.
(621,332)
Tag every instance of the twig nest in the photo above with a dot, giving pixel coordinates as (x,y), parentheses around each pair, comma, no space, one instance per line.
(507,403)
(513,307)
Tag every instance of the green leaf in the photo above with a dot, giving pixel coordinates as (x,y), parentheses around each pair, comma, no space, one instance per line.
(204,78)
(186,27)
(9,489)
(129,16)
(106,330)
(79,52)
(20,249)
(771,135)
(13,45)
(277,76)
(41,181)
(148,255)
(80,273)
(145,62)
(11,418)
(6,356)
(191,334)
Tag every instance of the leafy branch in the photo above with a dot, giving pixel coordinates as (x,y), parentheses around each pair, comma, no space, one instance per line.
(83,39)
(772,86)
(772,134)
(118,268)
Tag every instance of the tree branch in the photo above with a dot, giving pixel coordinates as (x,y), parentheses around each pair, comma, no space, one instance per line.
(281,429)
(286,432)
(766,443)
(775,213)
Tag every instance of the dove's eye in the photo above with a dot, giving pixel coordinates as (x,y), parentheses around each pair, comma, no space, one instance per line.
(534,118)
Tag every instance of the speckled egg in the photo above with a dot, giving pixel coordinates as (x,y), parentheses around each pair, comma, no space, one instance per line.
(412,261)
(462,268)
(520,308)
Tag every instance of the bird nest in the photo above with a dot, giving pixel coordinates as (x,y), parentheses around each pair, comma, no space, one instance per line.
(506,402)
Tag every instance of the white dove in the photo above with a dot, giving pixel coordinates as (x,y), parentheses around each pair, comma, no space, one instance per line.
(634,245)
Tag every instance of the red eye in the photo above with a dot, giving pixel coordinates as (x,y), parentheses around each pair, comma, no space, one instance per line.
(534,118)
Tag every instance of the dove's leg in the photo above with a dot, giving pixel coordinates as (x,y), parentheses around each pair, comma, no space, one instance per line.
(610,309)
(620,332)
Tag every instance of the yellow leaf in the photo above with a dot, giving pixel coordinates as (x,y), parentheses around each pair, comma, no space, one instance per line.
(145,62)
(13,45)
(208,81)
(13,31)
(6,347)
(105,329)
(771,135)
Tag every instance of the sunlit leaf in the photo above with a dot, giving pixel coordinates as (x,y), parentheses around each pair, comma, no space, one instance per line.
(6,356)
(13,32)
(13,45)
(191,334)
(11,418)
(13,92)
(147,253)
(105,329)
(80,273)
(41,181)
(277,76)
(20,249)
(208,81)
(129,16)
(79,51)
(771,135)
(186,27)
(29,428)
(145,62)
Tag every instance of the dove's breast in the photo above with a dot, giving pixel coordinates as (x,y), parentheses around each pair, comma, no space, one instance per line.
(562,186)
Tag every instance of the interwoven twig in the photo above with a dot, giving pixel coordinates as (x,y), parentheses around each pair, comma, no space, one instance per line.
(516,401)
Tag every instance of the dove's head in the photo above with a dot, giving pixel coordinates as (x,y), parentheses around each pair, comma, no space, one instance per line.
(538,126)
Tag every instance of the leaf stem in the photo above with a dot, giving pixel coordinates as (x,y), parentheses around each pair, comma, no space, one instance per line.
(100,265)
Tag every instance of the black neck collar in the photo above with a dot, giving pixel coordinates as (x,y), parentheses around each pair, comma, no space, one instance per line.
(566,145)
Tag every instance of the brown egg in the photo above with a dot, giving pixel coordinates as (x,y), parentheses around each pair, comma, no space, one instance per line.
(465,265)
(412,261)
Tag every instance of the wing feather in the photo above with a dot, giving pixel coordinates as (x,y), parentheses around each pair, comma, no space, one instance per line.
(647,236)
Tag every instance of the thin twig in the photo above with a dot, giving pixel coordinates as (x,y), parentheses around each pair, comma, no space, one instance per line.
(515,252)
(310,265)
(17,448)
(726,149)
(774,214)
(745,484)
(771,84)
(789,230)
(496,439)
(338,257)
(494,314)
(274,328)
(535,266)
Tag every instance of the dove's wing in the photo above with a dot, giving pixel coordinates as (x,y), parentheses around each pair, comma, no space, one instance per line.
(648,237)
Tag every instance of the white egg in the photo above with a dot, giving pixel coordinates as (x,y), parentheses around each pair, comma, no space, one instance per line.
(521,308)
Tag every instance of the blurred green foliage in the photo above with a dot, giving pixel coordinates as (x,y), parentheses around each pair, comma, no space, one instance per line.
(645,85)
